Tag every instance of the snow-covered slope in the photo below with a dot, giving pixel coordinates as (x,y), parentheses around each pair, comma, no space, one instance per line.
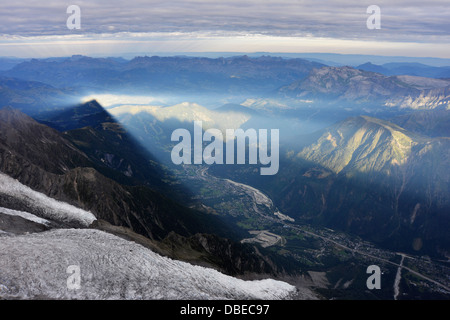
(25,215)
(35,266)
(48,208)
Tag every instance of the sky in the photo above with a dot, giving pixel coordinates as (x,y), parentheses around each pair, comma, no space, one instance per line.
(36,28)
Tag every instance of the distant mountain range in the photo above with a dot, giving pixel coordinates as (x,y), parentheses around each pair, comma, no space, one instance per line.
(404,68)
(7,63)
(33,97)
(369,89)
(235,75)
(48,84)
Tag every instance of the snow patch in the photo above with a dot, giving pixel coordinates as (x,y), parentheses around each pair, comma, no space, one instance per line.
(50,208)
(26,215)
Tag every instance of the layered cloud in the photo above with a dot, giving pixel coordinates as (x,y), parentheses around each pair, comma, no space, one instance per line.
(195,24)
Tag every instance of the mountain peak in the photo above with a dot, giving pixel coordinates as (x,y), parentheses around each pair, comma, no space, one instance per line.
(92,104)
(361,143)
(344,72)
(89,113)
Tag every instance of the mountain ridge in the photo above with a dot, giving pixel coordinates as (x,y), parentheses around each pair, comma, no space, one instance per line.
(336,150)
(166,74)
(354,87)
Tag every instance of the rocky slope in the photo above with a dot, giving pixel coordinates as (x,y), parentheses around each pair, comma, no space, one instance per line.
(345,83)
(362,144)
(432,123)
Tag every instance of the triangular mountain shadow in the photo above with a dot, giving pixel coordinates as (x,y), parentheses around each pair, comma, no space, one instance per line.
(44,160)
(113,150)
(86,114)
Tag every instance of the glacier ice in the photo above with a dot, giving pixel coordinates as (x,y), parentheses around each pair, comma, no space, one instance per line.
(35,266)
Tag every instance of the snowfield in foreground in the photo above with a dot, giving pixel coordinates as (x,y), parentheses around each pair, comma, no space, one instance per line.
(36,266)
(49,207)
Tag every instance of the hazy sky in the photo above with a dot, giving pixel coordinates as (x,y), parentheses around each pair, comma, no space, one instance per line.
(36,28)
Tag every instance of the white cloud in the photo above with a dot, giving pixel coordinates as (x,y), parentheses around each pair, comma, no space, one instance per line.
(109,100)
(154,43)
(186,112)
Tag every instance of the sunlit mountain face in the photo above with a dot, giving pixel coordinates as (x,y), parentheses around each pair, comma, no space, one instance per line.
(359,160)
